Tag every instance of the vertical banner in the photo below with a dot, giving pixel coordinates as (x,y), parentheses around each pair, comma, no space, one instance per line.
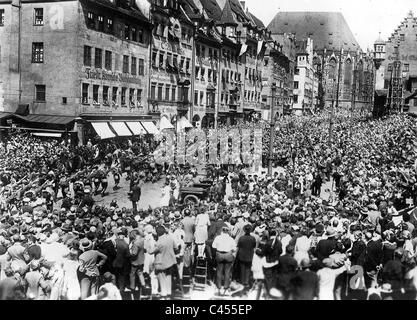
(212,145)
(165,152)
(257,150)
(246,150)
(196,147)
(224,146)
(181,147)
(235,156)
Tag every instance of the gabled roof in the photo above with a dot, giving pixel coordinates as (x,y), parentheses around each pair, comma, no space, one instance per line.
(227,17)
(212,8)
(257,22)
(327,29)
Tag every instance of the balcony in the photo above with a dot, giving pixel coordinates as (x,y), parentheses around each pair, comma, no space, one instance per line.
(183,105)
(210,109)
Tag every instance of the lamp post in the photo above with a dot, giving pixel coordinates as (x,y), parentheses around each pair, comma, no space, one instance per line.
(272,129)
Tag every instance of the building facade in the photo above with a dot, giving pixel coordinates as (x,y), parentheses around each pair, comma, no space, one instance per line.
(345,72)
(86,59)
(305,79)
(397,75)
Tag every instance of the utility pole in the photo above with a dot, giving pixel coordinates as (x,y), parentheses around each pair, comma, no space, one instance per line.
(272,130)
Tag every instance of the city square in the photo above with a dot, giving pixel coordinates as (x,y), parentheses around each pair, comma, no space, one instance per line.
(186,150)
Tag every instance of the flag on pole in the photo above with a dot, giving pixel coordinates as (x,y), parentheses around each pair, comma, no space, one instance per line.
(260,44)
(243,49)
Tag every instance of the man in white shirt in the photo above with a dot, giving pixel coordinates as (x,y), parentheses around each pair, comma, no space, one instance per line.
(225,247)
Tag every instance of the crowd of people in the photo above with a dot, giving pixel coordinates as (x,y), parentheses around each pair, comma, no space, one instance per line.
(336,220)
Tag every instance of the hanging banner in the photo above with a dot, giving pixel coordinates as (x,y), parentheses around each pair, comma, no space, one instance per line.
(243,49)
(196,147)
(260,45)
(212,142)
(246,154)
(181,147)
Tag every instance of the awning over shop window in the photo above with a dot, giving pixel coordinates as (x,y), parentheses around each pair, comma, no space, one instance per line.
(47,134)
(121,129)
(103,130)
(64,120)
(150,127)
(136,128)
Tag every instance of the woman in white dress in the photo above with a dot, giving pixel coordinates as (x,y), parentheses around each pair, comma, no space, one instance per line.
(71,290)
(202,222)
(166,195)
(302,246)
(229,189)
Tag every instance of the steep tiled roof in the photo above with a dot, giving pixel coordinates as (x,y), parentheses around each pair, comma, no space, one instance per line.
(212,8)
(227,16)
(327,29)
(258,22)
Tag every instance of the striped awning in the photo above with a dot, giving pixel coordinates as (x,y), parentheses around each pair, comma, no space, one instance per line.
(121,129)
(136,128)
(103,130)
(150,127)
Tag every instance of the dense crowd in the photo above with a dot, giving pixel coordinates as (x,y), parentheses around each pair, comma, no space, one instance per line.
(335,222)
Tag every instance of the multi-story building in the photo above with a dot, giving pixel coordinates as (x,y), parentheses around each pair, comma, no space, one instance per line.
(171,60)
(305,78)
(277,78)
(397,76)
(337,56)
(77,59)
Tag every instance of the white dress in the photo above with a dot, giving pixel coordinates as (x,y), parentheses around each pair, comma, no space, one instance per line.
(166,191)
(201,224)
(71,285)
(302,245)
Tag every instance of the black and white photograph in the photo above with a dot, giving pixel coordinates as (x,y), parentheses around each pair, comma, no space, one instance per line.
(208,150)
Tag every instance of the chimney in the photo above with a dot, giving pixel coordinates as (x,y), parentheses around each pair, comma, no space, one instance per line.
(243,4)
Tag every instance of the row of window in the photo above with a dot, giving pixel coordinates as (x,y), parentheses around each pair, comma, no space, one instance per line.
(107,95)
(229,98)
(132,65)
(200,74)
(1,17)
(161,30)
(199,98)
(170,61)
(167,92)
(252,96)
(406,67)
(126,31)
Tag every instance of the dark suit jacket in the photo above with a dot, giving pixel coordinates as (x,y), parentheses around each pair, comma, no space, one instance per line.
(136,192)
(246,246)
(374,255)
(325,248)
(121,261)
(109,250)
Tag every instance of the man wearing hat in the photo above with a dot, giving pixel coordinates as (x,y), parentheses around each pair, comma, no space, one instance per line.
(326,246)
(246,248)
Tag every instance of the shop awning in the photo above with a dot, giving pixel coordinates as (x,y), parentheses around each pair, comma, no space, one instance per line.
(150,127)
(36,118)
(136,128)
(165,124)
(121,129)
(103,130)
(47,134)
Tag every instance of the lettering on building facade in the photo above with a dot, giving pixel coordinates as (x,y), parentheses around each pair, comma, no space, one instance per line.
(403,58)
(111,76)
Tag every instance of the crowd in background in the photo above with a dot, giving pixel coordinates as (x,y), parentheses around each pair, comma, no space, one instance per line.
(337,221)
